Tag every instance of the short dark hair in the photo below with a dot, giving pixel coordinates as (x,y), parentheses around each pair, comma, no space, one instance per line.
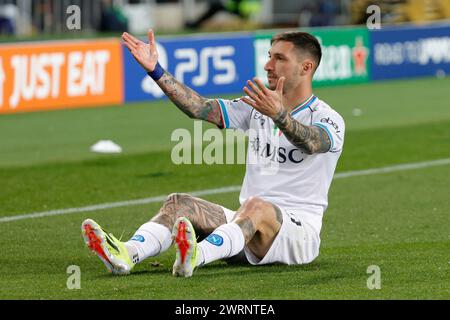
(303,41)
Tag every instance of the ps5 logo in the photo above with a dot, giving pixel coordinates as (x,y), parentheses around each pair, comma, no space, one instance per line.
(193,61)
(209,64)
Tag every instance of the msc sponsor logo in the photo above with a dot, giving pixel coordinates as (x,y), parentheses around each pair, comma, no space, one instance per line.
(276,153)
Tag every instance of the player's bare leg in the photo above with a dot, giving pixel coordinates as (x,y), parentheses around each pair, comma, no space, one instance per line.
(256,224)
(155,236)
(204,215)
(260,222)
(187,217)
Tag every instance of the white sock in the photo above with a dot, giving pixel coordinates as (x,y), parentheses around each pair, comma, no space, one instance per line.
(224,242)
(149,240)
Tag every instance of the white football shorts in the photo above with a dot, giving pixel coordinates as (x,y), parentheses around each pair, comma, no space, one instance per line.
(296,243)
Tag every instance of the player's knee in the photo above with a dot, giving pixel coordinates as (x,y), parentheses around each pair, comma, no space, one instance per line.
(175,202)
(255,204)
(177,198)
(174,207)
(254,208)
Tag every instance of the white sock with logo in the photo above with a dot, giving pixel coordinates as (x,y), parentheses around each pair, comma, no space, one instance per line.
(149,240)
(224,242)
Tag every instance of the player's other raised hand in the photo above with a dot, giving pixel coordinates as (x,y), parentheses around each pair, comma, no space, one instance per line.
(144,53)
(268,102)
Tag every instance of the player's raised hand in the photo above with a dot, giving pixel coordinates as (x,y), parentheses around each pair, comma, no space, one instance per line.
(144,53)
(268,102)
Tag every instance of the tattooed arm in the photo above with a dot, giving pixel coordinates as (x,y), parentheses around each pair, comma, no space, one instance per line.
(189,101)
(310,139)
(186,99)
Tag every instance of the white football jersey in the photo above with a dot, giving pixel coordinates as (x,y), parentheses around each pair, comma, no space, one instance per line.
(279,172)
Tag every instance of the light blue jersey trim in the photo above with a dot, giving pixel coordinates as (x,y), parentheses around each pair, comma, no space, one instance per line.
(304,106)
(224,114)
(317,124)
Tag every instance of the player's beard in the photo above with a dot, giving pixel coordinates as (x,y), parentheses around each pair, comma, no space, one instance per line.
(272,80)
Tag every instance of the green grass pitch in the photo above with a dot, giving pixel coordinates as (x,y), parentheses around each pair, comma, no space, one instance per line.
(398,221)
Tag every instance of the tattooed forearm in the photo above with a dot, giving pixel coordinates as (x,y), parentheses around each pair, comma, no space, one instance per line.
(310,139)
(247,227)
(204,216)
(189,101)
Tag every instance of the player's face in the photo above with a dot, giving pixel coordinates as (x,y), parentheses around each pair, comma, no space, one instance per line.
(283,61)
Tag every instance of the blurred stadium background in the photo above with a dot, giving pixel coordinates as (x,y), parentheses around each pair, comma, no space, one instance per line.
(37,17)
(58,98)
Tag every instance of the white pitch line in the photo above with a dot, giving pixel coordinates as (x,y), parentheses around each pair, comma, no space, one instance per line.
(399,167)
(104,206)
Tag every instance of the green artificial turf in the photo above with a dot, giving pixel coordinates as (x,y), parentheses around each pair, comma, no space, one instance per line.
(398,221)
